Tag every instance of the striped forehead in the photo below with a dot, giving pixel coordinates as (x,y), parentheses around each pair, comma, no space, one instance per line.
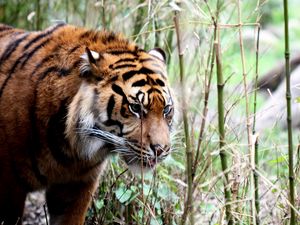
(130,64)
(149,95)
(143,77)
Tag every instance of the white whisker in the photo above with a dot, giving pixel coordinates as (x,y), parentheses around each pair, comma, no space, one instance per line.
(134,158)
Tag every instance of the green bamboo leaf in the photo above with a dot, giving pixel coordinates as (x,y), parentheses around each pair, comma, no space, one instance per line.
(99,204)
(123,194)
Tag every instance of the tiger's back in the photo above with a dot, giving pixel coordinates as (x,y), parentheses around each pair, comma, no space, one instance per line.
(69,97)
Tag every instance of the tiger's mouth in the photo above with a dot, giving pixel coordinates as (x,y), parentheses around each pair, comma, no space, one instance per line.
(142,157)
(133,155)
(142,162)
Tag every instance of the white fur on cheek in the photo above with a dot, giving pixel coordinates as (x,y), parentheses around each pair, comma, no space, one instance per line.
(80,113)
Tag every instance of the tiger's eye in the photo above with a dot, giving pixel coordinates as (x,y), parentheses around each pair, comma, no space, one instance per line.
(135,108)
(167,109)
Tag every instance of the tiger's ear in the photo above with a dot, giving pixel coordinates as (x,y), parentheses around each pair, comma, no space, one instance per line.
(89,64)
(158,53)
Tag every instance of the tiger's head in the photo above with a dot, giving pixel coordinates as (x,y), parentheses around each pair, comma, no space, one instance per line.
(124,105)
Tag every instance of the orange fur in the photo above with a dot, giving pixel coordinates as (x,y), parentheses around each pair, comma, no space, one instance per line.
(60,89)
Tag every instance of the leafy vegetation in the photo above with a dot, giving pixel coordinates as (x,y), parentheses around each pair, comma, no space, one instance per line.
(161,197)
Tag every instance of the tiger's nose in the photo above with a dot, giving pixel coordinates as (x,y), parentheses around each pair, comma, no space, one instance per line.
(158,149)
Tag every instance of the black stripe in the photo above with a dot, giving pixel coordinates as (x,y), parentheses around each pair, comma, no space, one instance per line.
(55,69)
(86,34)
(12,47)
(118,90)
(139,83)
(61,71)
(44,60)
(124,60)
(153,90)
(109,38)
(114,78)
(28,55)
(72,50)
(124,66)
(143,70)
(55,135)
(8,77)
(160,82)
(150,80)
(110,106)
(42,35)
(49,70)
(35,140)
(5,27)
(111,122)
(76,64)
(121,52)
(95,37)
(6,32)
(146,60)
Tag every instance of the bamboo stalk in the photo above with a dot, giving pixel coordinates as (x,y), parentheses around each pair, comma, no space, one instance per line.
(139,18)
(256,161)
(188,206)
(103,19)
(221,120)
(67,11)
(223,155)
(248,122)
(38,15)
(289,114)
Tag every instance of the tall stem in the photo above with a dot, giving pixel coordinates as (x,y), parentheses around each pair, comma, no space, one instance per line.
(67,11)
(188,207)
(289,114)
(38,15)
(256,161)
(248,123)
(223,155)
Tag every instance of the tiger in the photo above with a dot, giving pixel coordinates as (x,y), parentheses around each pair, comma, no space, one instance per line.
(70,97)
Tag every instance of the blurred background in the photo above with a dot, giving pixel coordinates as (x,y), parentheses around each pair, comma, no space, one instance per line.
(161,197)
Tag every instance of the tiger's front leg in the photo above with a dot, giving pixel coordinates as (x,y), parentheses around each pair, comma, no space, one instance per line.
(68,203)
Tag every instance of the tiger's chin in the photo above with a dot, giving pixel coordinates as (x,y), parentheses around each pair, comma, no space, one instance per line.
(139,166)
(139,169)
